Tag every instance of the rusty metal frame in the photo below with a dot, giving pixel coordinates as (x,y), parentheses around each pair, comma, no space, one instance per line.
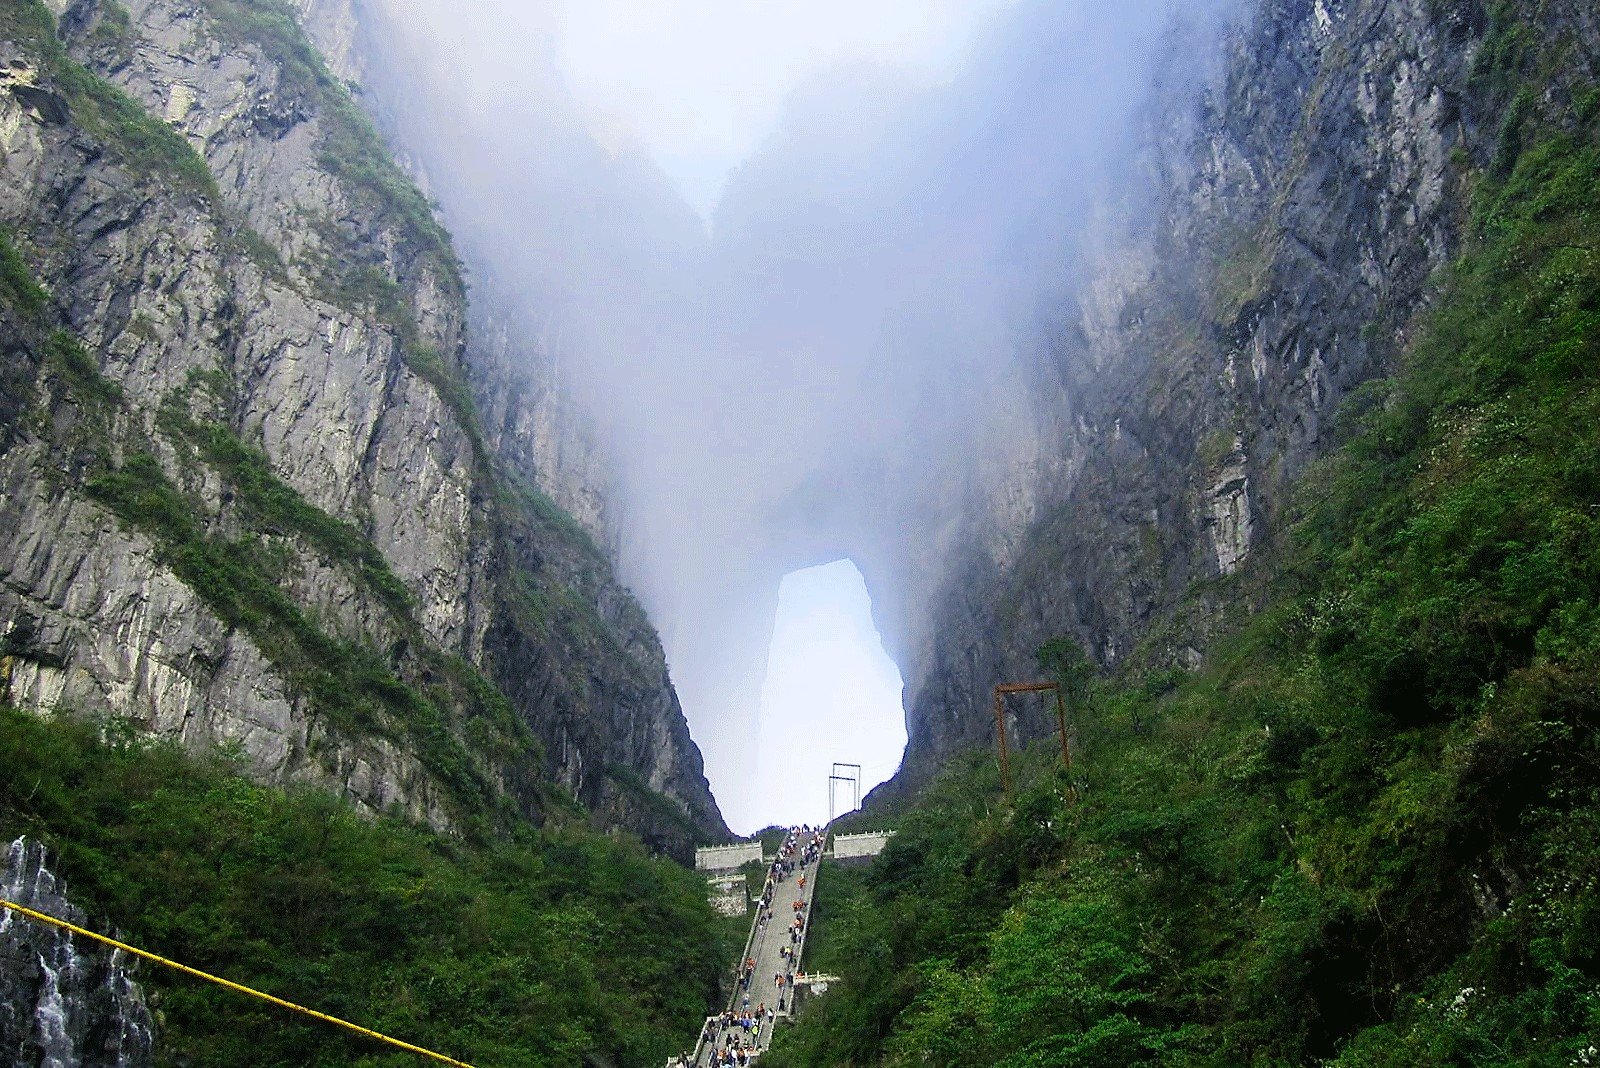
(1000,694)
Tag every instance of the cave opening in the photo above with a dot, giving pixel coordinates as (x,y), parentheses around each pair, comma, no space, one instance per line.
(832,694)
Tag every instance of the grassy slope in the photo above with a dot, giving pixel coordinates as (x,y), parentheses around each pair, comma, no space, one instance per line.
(1368,832)
(538,949)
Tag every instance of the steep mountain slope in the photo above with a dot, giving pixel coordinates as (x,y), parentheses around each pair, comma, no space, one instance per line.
(1299,214)
(1362,831)
(247,498)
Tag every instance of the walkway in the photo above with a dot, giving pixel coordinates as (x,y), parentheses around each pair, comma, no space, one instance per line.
(798,861)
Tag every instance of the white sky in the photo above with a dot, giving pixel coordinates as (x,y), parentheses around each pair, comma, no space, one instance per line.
(702,82)
(831,694)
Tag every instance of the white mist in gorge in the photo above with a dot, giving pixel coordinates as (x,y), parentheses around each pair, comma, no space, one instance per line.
(781,259)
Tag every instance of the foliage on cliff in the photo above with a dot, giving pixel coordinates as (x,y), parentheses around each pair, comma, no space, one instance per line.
(452,722)
(195,478)
(1368,831)
(505,943)
(547,948)
(135,138)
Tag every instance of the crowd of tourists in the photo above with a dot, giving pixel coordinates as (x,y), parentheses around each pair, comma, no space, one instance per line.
(735,1037)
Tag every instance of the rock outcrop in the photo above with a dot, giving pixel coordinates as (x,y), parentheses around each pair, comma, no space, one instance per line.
(1299,213)
(63,1003)
(246,496)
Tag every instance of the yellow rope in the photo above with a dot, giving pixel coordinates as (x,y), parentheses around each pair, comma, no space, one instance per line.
(208,977)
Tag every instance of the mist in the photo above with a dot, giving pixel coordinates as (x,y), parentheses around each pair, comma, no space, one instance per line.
(800,296)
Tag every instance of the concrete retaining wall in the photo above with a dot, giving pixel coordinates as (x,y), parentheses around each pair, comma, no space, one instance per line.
(726,858)
(869,844)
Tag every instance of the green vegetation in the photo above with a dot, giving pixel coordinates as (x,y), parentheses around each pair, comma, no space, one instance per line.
(549,516)
(755,878)
(113,33)
(19,290)
(662,808)
(357,692)
(771,839)
(453,390)
(351,149)
(133,137)
(1367,833)
(545,949)
(838,898)
(268,504)
(1239,277)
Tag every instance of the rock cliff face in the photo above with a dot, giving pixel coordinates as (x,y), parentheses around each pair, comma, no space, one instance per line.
(529,419)
(62,1003)
(246,496)
(1299,212)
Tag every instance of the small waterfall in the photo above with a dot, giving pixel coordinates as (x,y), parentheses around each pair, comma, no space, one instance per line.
(51,1011)
(135,1037)
(63,1004)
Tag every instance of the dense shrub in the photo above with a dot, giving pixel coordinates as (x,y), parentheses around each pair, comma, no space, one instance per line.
(544,948)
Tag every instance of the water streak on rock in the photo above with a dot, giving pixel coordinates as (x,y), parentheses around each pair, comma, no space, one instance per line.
(62,1005)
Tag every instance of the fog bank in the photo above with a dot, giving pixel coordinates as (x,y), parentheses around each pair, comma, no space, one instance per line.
(834,362)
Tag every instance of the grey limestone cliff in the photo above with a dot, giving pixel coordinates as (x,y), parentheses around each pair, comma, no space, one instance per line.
(1300,209)
(246,496)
